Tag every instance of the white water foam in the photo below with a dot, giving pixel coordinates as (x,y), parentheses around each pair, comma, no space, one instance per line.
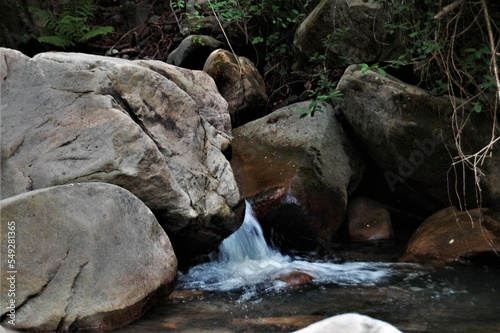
(245,260)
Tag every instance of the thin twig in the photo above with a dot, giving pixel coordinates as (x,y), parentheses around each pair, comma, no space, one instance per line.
(447,9)
(493,61)
(236,58)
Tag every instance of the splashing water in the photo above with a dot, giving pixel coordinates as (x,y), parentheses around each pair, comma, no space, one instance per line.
(245,261)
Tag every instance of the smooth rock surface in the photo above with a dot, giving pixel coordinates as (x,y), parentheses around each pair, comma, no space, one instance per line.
(240,84)
(152,128)
(193,51)
(452,236)
(408,134)
(368,220)
(88,256)
(350,323)
(296,172)
(352,31)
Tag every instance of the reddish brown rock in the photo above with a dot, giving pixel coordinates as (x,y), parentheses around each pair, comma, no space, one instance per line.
(292,322)
(451,236)
(182,295)
(368,221)
(296,173)
(296,278)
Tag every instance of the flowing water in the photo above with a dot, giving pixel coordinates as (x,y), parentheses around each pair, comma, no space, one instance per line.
(239,291)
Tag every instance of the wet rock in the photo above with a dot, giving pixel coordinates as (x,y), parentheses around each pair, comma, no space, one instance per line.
(296,173)
(193,51)
(296,278)
(239,83)
(182,295)
(350,323)
(286,323)
(352,31)
(89,256)
(152,128)
(408,133)
(368,220)
(452,236)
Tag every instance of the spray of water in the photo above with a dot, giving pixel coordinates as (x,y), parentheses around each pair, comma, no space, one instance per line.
(246,261)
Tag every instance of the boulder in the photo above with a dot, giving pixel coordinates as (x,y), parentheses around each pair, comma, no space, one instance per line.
(296,172)
(350,323)
(240,83)
(368,220)
(408,133)
(352,31)
(154,129)
(452,236)
(193,51)
(87,256)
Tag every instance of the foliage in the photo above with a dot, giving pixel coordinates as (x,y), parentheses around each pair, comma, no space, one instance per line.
(267,26)
(376,67)
(69,27)
(448,45)
(453,45)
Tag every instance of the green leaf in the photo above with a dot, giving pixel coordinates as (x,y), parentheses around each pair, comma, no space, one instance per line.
(478,107)
(364,68)
(257,40)
(381,71)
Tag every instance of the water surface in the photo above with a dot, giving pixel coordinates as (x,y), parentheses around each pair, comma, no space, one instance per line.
(238,291)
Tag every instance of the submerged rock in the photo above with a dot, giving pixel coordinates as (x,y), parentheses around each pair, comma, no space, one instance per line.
(350,323)
(89,256)
(296,278)
(152,128)
(452,236)
(284,323)
(368,220)
(296,172)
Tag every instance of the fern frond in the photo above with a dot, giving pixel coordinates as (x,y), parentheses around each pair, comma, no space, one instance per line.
(96,32)
(59,41)
(70,26)
(78,8)
(48,19)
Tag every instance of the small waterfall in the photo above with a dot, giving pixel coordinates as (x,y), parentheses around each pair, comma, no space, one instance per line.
(247,242)
(245,261)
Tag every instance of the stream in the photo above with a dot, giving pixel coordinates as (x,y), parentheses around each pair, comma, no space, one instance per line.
(238,291)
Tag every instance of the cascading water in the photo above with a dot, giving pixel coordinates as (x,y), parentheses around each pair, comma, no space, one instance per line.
(246,261)
(247,243)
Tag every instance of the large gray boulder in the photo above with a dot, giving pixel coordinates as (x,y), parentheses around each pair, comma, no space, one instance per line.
(353,31)
(149,127)
(297,173)
(413,135)
(87,256)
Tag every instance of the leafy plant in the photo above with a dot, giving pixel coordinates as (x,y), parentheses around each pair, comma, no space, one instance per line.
(365,67)
(268,25)
(321,87)
(69,27)
(448,46)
